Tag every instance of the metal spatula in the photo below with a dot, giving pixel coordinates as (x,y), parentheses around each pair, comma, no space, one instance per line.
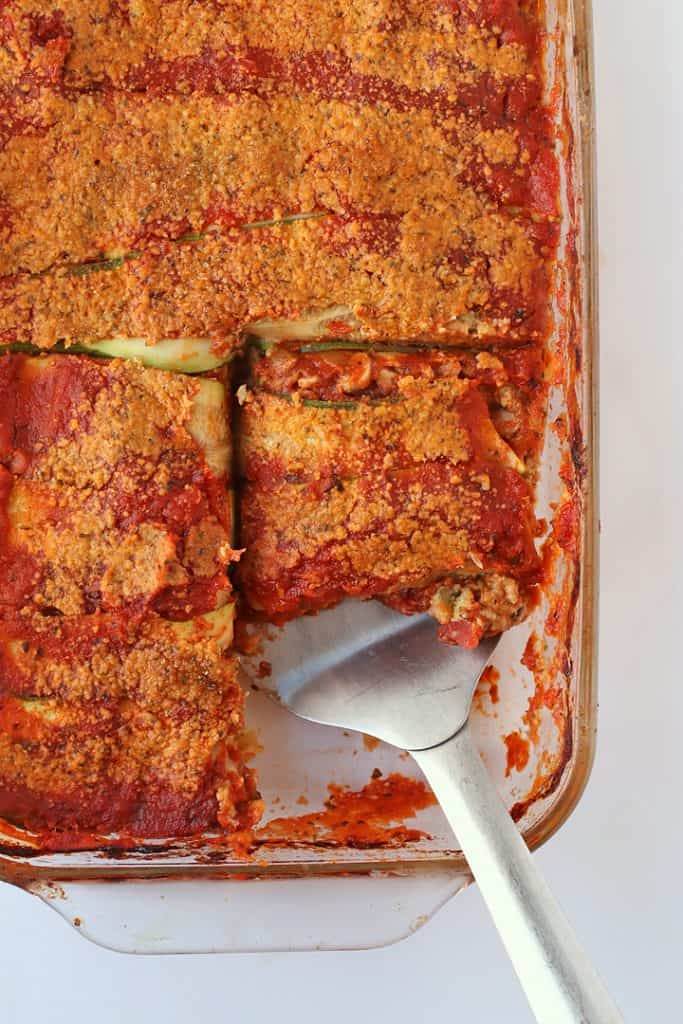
(361,666)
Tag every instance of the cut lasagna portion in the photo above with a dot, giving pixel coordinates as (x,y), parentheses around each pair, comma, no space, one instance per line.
(385,475)
(256,159)
(323,374)
(114,487)
(111,728)
(364,277)
(209,170)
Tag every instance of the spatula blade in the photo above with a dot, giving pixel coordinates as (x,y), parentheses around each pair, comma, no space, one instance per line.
(363,666)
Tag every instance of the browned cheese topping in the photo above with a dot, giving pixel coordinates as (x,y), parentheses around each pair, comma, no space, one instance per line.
(106,41)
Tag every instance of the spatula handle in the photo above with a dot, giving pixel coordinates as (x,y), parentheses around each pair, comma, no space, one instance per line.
(560,982)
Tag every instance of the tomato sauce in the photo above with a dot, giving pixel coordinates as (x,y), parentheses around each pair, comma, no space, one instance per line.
(516,20)
(517,748)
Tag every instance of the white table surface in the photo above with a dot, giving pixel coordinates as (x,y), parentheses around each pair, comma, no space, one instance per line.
(616,865)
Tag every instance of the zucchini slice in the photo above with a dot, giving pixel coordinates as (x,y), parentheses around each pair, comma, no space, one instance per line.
(178,355)
(217,626)
(318,403)
(115,258)
(45,709)
(288,218)
(208,425)
(182,355)
(310,326)
(20,347)
(499,447)
(322,403)
(371,347)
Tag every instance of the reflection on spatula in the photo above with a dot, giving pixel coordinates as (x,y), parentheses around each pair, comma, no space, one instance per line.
(361,666)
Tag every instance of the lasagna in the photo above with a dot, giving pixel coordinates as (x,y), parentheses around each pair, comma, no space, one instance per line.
(120,707)
(110,725)
(274,301)
(373,475)
(115,487)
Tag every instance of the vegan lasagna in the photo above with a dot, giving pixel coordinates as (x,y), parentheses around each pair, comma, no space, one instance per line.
(275,292)
(384,475)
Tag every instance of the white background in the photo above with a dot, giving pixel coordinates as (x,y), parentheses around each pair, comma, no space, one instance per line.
(616,865)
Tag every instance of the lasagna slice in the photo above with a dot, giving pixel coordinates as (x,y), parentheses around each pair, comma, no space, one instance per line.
(113,727)
(387,176)
(405,476)
(114,487)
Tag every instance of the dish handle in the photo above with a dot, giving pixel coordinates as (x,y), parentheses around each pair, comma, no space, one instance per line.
(228,915)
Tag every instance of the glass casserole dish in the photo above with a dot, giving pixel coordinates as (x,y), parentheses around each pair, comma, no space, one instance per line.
(535,714)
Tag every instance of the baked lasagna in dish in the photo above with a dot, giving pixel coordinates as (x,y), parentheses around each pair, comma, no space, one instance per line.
(275,287)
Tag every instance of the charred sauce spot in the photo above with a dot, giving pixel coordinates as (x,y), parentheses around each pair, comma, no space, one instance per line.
(579,454)
(46,28)
(567,526)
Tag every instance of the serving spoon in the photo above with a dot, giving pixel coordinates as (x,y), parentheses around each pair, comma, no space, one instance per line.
(362,666)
